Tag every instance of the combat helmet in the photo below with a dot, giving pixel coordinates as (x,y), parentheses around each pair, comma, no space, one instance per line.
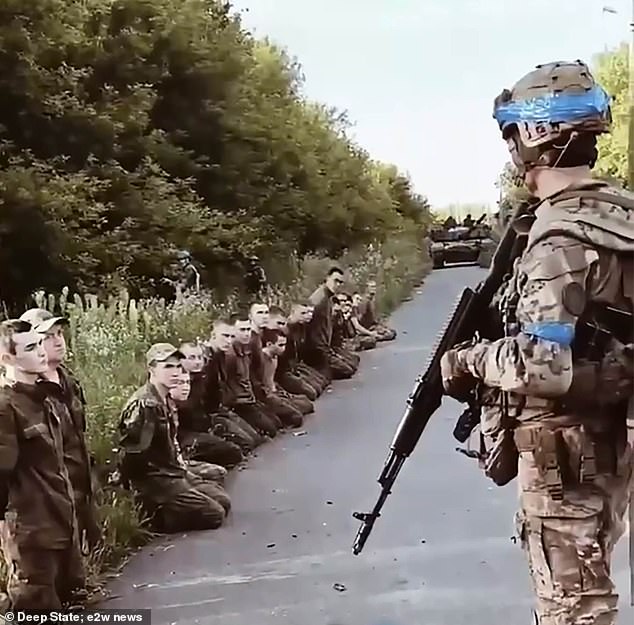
(551,108)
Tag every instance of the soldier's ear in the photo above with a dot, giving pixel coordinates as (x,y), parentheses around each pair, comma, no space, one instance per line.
(6,358)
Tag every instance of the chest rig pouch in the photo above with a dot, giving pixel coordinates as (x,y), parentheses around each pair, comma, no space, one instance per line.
(586,436)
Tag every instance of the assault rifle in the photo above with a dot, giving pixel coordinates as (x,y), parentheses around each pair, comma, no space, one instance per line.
(469,319)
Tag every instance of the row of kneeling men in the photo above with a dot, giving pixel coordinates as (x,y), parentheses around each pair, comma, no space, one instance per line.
(206,405)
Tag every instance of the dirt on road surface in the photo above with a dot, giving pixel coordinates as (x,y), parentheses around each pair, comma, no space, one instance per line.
(441,553)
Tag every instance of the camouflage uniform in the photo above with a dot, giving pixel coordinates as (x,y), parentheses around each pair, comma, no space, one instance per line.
(78,459)
(356,341)
(197,427)
(559,384)
(216,394)
(40,540)
(575,465)
(344,361)
(287,374)
(240,395)
(154,467)
(368,319)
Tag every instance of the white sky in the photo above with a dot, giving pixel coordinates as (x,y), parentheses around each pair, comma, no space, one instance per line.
(418,77)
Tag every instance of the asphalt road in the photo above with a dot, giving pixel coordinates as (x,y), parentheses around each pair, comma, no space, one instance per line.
(441,554)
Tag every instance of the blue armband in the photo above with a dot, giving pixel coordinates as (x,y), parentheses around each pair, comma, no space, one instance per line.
(554,331)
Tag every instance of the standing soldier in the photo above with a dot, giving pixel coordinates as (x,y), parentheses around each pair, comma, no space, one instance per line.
(40,540)
(74,426)
(183,274)
(255,280)
(559,382)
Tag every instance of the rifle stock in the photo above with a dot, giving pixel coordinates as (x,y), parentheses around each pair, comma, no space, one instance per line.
(467,320)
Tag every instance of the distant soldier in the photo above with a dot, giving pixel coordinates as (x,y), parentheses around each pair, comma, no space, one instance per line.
(468,221)
(255,280)
(319,331)
(197,426)
(288,374)
(40,539)
(218,392)
(241,394)
(273,345)
(343,361)
(78,461)
(366,310)
(359,337)
(152,462)
(450,222)
(183,274)
(180,393)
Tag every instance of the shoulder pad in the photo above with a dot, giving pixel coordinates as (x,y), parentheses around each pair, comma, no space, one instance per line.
(557,256)
(580,215)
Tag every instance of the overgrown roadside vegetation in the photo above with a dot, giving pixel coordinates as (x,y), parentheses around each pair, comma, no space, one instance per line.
(108,340)
(133,128)
(130,129)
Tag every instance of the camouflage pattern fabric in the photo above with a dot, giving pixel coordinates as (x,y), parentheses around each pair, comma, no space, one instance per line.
(154,466)
(42,579)
(292,382)
(575,468)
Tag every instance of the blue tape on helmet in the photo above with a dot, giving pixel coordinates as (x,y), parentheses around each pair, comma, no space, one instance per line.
(553,331)
(555,107)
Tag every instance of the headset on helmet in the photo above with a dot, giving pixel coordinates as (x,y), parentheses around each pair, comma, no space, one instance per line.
(549,108)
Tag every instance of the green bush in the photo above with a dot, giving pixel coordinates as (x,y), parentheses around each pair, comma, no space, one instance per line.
(131,128)
(108,340)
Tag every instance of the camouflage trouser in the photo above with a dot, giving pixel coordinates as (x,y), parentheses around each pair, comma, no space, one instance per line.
(212,490)
(569,542)
(301,402)
(343,363)
(293,383)
(87,520)
(362,342)
(318,381)
(179,505)
(209,448)
(207,470)
(384,333)
(237,430)
(262,420)
(42,579)
(288,414)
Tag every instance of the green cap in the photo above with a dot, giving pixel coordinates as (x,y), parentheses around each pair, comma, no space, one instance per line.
(160,352)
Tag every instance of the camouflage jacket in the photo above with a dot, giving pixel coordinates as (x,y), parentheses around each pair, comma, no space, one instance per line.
(239,386)
(367,313)
(319,333)
(579,251)
(75,448)
(148,438)
(289,360)
(40,508)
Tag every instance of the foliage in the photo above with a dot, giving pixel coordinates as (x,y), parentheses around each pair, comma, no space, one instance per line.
(108,338)
(131,128)
(611,69)
(513,192)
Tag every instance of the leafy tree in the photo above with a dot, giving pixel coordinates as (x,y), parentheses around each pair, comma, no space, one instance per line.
(612,72)
(132,128)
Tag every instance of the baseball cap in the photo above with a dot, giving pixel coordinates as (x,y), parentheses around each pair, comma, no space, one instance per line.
(42,320)
(160,352)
